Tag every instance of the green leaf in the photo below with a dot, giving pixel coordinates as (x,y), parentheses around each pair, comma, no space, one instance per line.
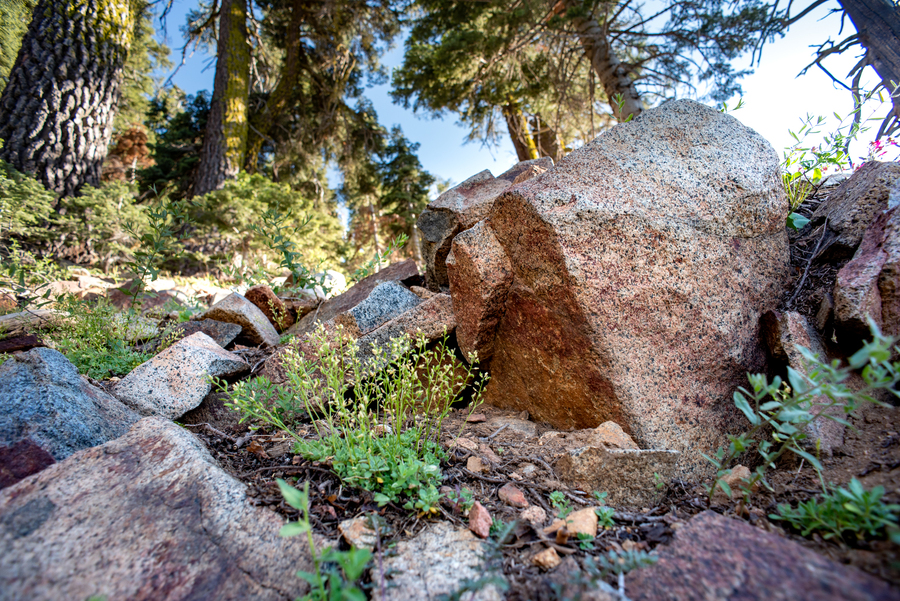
(293,529)
(798,383)
(292,496)
(796,221)
(812,460)
(741,403)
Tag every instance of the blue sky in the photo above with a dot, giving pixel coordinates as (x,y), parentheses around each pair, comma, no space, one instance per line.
(775,99)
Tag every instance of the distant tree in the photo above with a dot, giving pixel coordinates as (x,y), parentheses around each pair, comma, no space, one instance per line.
(56,112)
(14,18)
(225,141)
(531,60)
(877,24)
(405,187)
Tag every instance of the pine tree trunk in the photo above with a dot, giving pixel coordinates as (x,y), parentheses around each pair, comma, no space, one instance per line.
(281,96)
(518,131)
(877,23)
(225,141)
(614,76)
(56,113)
(375,235)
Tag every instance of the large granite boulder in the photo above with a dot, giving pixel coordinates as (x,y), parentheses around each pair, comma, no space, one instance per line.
(43,398)
(147,516)
(640,267)
(715,557)
(461,207)
(177,380)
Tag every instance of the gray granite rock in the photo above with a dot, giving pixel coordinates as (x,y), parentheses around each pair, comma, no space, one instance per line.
(386,301)
(43,397)
(175,381)
(357,294)
(434,563)
(148,516)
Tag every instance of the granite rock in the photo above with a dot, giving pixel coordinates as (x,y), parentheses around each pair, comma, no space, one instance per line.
(147,516)
(784,333)
(615,311)
(461,207)
(43,398)
(271,306)
(20,460)
(480,275)
(386,301)
(867,286)
(434,563)
(358,293)
(222,333)
(715,557)
(236,309)
(628,475)
(175,381)
(850,209)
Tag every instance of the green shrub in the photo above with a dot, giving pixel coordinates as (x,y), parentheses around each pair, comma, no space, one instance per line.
(854,510)
(381,418)
(25,205)
(784,412)
(232,215)
(93,339)
(103,223)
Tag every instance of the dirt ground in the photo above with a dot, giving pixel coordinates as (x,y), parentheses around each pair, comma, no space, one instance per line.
(871,453)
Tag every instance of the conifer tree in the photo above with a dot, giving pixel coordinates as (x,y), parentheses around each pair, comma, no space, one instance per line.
(225,142)
(56,112)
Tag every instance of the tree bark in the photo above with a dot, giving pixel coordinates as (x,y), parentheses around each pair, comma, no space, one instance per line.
(56,113)
(614,76)
(877,23)
(281,96)
(225,141)
(518,131)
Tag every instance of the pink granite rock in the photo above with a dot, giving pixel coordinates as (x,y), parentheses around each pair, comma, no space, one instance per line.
(461,207)
(480,275)
(480,520)
(715,557)
(149,515)
(511,495)
(640,267)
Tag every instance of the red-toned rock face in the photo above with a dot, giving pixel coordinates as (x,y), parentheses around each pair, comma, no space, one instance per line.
(640,267)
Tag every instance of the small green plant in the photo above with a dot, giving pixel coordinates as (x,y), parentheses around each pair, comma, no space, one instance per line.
(28,276)
(336,572)
(604,513)
(278,233)
(658,481)
(161,240)
(462,499)
(585,541)
(786,411)
(804,166)
(852,510)
(381,415)
(560,504)
(379,258)
(93,338)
